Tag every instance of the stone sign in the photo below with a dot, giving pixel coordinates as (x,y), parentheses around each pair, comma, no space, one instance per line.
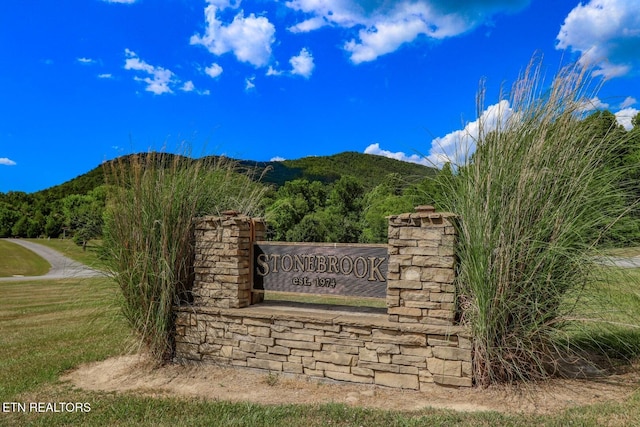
(414,343)
(339,269)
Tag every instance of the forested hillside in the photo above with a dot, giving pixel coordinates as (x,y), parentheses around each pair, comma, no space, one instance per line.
(369,170)
(75,208)
(340,198)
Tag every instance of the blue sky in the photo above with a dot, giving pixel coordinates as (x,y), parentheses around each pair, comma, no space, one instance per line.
(84,81)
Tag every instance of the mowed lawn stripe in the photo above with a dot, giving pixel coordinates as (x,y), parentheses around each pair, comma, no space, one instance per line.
(50,326)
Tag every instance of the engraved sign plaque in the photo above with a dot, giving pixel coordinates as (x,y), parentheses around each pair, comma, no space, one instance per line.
(319,268)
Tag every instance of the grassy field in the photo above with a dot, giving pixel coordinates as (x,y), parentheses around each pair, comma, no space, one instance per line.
(16,260)
(51,326)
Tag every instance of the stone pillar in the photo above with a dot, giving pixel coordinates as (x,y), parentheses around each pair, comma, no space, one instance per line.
(223,256)
(420,281)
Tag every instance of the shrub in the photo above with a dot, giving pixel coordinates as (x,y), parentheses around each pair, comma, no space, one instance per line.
(148,235)
(533,201)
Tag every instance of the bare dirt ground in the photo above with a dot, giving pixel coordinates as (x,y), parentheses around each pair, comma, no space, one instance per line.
(137,374)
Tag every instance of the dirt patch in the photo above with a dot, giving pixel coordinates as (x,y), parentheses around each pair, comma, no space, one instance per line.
(138,374)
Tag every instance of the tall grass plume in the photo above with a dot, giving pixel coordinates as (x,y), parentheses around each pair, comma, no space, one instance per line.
(533,201)
(148,236)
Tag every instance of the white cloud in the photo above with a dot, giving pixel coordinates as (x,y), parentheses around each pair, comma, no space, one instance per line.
(592,104)
(273,72)
(399,155)
(628,102)
(308,25)
(625,116)
(302,64)
(387,25)
(606,33)
(188,86)
(384,38)
(120,1)
(159,78)
(456,147)
(105,76)
(223,4)
(277,159)
(249,83)
(86,60)
(214,70)
(342,13)
(249,38)
(7,162)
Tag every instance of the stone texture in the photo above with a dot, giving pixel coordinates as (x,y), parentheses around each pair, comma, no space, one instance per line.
(331,357)
(452,353)
(390,379)
(414,344)
(452,381)
(422,256)
(270,365)
(341,376)
(452,368)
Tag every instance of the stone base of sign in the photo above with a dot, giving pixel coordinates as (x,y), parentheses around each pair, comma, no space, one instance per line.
(414,342)
(360,345)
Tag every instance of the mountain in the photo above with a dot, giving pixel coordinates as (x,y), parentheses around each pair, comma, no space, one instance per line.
(369,169)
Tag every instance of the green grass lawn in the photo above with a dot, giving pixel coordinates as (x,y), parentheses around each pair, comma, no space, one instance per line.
(48,327)
(16,260)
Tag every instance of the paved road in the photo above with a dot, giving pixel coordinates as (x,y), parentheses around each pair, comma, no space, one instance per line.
(61,266)
(630,262)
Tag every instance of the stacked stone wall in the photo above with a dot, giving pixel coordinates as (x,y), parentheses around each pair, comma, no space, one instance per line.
(421,267)
(360,348)
(411,344)
(222,263)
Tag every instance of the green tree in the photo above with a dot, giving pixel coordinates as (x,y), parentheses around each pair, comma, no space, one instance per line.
(293,202)
(604,125)
(21,227)
(53,224)
(312,228)
(636,122)
(83,215)
(343,210)
(8,217)
(36,224)
(625,157)
(346,195)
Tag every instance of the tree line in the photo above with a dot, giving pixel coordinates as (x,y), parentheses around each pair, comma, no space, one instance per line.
(305,210)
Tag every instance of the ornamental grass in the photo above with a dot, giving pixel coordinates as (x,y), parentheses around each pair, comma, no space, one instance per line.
(148,233)
(534,199)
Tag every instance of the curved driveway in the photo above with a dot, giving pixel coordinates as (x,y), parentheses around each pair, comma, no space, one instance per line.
(623,262)
(61,266)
